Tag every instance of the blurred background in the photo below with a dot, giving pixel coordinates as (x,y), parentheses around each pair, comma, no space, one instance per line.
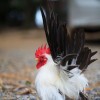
(21,33)
(25,14)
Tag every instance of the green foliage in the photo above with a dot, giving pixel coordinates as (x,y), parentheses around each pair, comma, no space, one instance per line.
(28,83)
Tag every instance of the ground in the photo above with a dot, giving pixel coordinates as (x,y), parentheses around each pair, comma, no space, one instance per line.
(17,65)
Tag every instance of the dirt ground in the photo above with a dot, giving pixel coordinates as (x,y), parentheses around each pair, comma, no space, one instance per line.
(17,65)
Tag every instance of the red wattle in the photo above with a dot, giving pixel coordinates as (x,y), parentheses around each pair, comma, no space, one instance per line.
(40,64)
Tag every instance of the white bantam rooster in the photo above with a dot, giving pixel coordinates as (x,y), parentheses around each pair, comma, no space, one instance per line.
(61,65)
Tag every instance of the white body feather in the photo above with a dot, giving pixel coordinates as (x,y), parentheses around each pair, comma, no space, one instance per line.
(50,79)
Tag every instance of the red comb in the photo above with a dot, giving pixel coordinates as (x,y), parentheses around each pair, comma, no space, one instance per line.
(42,50)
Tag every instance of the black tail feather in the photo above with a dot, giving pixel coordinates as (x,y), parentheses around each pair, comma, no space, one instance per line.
(63,44)
(83,96)
(84,58)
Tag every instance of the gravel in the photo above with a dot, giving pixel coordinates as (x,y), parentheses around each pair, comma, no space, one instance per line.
(17,67)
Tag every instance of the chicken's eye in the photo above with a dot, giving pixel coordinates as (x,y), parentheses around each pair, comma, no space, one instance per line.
(43,58)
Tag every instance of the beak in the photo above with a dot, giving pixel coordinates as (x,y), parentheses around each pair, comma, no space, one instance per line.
(36,59)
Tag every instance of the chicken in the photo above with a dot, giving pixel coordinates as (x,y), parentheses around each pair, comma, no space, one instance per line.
(61,64)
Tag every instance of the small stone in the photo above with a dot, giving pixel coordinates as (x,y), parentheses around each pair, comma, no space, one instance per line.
(32,97)
(24,97)
(97,98)
(18,96)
